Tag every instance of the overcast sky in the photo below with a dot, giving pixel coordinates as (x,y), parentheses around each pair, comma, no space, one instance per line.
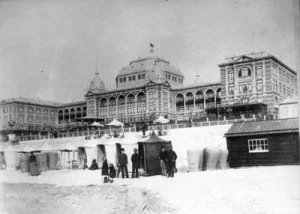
(68,39)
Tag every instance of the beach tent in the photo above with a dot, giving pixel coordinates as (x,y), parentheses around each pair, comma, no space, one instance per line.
(65,157)
(150,150)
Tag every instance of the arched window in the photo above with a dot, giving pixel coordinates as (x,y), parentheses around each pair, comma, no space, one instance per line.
(121,105)
(112,106)
(210,98)
(60,117)
(179,103)
(66,116)
(103,107)
(52,113)
(199,100)
(45,112)
(244,72)
(189,102)
(78,113)
(84,111)
(130,104)
(72,115)
(130,99)
(38,111)
(141,102)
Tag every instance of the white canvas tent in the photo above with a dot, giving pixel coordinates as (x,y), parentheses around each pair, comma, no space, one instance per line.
(65,156)
(47,147)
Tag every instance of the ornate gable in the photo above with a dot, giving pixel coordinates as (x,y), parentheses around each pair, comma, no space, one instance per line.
(243,59)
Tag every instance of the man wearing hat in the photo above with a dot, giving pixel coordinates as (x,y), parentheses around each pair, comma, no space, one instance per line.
(123,161)
(135,159)
(171,162)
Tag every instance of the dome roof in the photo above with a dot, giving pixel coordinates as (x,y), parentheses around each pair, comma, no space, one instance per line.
(96,85)
(147,64)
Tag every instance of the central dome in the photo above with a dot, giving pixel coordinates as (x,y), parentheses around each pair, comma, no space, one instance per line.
(142,70)
(96,85)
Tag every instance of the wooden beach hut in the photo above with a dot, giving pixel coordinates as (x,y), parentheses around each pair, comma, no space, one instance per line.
(270,142)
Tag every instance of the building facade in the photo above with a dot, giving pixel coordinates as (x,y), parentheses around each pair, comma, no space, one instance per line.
(250,86)
(255,84)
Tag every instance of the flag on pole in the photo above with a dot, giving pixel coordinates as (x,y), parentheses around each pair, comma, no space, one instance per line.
(151,48)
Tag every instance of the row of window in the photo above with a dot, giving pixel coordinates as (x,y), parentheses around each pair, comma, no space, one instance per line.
(132,78)
(174,78)
(246,87)
(31,110)
(44,120)
(282,89)
(285,76)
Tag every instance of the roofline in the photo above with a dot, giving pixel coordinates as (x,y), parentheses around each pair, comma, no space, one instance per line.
(280,131)
(24,102)
(260,58)
(145,58)
(117,90)
(74,103)
(196,86)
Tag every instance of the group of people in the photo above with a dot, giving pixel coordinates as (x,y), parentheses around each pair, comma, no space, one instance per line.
(110,171)
(123,161)
(168,162)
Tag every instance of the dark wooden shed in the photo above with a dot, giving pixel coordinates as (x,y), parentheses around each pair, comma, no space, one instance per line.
(271,142)
(150,150)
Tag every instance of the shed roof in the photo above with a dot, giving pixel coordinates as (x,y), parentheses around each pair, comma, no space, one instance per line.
(154,139)
(288,125)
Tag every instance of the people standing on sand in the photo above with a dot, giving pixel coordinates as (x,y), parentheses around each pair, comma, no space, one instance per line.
(123,161)
(104,167)
(171,161)
(135,159)
(163,158)
(33,169)
(94,165)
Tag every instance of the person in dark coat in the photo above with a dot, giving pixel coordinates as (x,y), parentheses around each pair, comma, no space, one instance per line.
(33,169)
(163,159)
(123,161)
(171,160)
(112,171)
(105,168)
(94,165)
(135,159)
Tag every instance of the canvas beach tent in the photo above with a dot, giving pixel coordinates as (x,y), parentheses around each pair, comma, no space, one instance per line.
(150,150)
(68,153)
(47,147)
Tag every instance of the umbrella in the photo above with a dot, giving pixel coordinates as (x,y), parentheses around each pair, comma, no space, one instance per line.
(161,120)
(97,124)
(115,123)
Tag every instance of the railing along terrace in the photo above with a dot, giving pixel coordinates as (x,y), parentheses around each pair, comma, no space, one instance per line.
(156,127)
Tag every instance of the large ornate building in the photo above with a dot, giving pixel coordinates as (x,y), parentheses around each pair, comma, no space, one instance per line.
(251,85)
